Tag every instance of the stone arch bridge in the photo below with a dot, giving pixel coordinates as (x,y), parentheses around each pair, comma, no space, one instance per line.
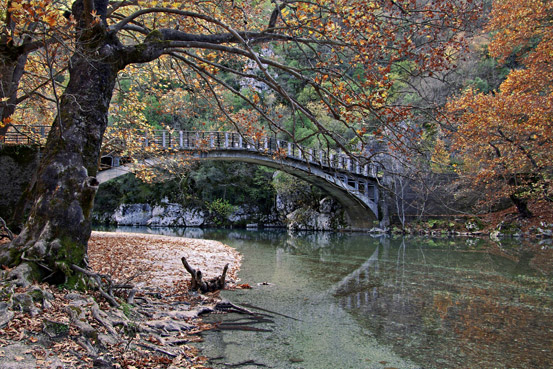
(352,183)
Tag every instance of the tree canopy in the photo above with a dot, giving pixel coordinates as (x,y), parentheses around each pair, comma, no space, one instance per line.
(343,53)
(506,136)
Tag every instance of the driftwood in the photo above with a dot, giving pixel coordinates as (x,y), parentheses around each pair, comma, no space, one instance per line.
(214,284)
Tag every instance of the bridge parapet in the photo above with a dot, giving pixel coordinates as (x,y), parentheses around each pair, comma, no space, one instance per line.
(336,172)
(350,175)
(210,140)
(277,148)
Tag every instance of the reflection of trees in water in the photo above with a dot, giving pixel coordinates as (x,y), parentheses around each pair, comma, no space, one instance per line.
(326,246)
(435,307)
(442,303)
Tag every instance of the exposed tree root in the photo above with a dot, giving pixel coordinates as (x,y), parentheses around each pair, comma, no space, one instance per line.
(5,231)
(105,285)
(227,306)
(215,284)
(90,333)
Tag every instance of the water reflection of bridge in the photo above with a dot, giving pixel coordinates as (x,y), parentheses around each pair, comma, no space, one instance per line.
(448,306)
(359,277)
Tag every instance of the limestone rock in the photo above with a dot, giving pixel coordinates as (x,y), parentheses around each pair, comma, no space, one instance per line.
(545,230)
(6,315)
(243,214)
(133,214)
(327,205)
(167,215)
(194,217)
(309,219)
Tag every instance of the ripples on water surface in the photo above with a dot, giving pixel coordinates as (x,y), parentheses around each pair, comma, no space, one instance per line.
(354,301)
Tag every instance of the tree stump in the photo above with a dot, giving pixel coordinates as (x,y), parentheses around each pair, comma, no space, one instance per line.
(214,284)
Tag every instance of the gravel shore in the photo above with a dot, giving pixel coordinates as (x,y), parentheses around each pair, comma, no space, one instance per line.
(155,261)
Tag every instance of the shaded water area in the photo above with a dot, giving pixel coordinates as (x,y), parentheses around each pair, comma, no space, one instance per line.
(354,301)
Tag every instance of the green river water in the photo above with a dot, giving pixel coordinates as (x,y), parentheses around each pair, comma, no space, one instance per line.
(329,300)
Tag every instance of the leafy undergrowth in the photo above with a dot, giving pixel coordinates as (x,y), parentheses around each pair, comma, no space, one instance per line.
(154,326)
(542,216)
(507,222)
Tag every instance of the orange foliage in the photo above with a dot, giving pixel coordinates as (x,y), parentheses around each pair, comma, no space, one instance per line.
(508,135)
(34,44)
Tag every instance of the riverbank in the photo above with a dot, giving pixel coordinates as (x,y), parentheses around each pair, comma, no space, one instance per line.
(154,261)
(153,327)
(501,224)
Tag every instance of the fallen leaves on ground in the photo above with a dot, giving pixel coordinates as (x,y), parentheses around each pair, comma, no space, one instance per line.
(152,264)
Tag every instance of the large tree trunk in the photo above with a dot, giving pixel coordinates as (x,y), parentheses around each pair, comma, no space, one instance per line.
(58,228)
(12,66)
(522,205)
(57,231)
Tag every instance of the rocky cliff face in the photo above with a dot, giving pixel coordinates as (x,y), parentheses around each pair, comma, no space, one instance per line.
(296,206)
(172,215)
(176,215)
(301,208)
(327,216)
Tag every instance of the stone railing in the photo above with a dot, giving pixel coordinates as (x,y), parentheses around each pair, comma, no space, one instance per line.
(276,148)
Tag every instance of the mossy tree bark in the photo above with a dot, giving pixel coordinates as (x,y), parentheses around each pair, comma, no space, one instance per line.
(58,228)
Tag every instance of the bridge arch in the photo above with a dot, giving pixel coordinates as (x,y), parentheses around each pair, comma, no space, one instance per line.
(353,185)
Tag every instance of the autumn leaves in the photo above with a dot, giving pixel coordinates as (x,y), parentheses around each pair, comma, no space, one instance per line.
(506,137)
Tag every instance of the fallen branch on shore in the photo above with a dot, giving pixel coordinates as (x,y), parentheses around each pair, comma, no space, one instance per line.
(214,284)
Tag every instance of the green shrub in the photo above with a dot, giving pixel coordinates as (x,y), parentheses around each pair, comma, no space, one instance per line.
(221,210)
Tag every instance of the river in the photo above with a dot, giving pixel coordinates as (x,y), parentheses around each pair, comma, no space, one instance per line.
(343,300)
